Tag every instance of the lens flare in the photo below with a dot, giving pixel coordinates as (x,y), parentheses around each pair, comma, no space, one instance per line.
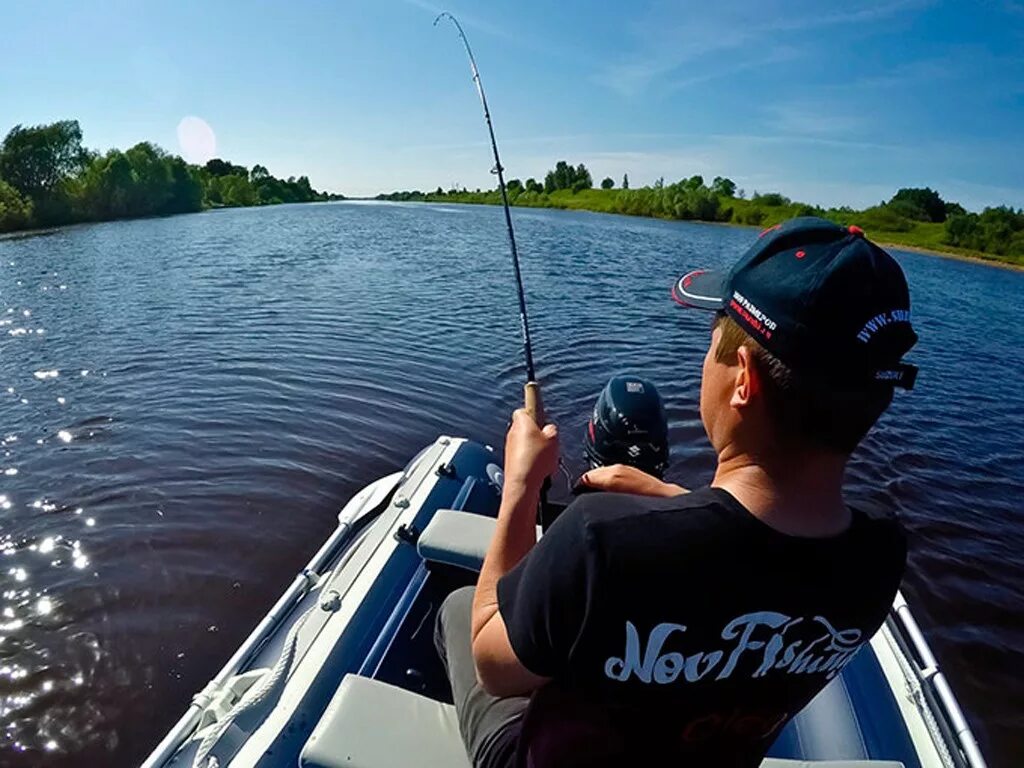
(196,139)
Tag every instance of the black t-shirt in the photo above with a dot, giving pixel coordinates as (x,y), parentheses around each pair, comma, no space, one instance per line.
(685,629)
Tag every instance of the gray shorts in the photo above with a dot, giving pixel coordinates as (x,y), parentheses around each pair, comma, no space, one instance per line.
(489,725)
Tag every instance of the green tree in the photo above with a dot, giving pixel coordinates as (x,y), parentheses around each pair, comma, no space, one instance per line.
(954,209)
(771,199)
(514,186)
(304,190)
(532,185)
(995,230)
(186,192)
(49,178)
(144,181)
(107,187)
(270,191)
(39,161)
(583,177)
(923,204)
(211,191)
(723,186)
(218,167)
(15,210)
(235,190)
(152,179)
(565,176)
(559,178)
(625,181)
(753,215)
(883,218)
(607,182)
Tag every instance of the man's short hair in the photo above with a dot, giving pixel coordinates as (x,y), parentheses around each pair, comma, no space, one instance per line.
(805,415)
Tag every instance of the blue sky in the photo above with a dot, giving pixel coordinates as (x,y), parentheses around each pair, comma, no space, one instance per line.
(827,102)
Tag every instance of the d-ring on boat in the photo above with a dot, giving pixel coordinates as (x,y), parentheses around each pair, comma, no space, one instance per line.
(342,671)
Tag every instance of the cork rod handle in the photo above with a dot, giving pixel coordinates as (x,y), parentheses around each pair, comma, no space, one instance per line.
(533,403)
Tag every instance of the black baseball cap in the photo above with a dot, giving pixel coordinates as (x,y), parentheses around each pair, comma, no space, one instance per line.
(820,297)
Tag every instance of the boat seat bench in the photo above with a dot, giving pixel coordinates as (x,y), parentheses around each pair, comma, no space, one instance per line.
(370,724)
(456,538)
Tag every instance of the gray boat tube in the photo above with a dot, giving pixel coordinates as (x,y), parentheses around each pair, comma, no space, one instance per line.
(368,499)
(933,679)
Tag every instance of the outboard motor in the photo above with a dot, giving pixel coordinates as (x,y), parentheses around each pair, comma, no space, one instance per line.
(628,426)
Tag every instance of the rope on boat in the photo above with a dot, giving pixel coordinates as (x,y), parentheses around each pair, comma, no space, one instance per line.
(915,691)
(221,744)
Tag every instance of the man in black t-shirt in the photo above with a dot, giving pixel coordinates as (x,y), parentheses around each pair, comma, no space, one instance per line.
(688,629)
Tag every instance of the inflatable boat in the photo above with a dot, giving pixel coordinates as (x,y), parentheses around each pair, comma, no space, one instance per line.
(342,671)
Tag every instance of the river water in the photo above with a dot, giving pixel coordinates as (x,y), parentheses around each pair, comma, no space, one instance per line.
(186,402)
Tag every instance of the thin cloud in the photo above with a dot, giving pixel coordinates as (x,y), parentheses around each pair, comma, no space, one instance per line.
(667,41)
(778,56)
(810,141)
(972,63)
(467,20)
(561,139)
(910,74)
(556,49)
(976,196)
(815,119)
(859,16)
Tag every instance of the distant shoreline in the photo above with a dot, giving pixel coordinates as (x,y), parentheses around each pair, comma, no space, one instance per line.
(975,258)
(50,180)
(988,261)
(580,201)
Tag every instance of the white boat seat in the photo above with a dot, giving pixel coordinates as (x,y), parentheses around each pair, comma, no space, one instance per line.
(456,538)
(370,724)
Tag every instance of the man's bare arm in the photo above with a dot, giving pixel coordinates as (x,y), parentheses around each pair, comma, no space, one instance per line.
(622,478)
(530,456)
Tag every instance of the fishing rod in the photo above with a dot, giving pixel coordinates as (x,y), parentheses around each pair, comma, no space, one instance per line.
(533,403)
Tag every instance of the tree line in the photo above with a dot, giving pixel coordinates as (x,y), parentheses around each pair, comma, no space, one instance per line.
(912,216)
(48,178)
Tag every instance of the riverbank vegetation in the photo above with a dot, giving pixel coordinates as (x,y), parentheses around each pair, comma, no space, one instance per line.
(915,217)
(47,178)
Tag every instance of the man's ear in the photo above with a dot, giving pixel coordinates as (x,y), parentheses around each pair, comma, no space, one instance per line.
(747,382)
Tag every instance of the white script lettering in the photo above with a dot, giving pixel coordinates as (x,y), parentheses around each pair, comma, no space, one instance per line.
(760,637)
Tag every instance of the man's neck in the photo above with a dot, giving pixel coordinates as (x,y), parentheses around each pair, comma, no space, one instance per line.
(800,498)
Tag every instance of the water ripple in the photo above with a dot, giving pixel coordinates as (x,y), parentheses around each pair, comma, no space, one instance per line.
(187,401)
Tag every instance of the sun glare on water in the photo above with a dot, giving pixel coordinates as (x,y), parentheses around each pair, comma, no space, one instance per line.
(196,139)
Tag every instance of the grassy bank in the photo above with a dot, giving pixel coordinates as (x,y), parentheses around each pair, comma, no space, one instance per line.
(881,224)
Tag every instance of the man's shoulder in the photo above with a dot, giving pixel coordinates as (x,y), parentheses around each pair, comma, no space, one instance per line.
(879,530)
(877,520)
(596,511)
